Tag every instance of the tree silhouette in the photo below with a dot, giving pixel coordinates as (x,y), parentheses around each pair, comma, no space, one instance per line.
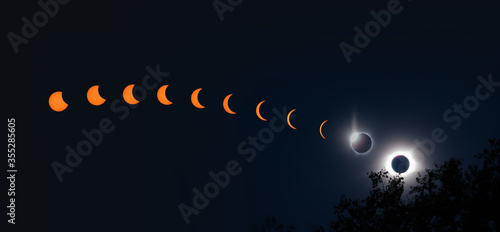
(381,210)
(446,198)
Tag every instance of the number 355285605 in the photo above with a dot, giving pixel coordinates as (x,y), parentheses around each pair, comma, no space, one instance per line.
(11,141)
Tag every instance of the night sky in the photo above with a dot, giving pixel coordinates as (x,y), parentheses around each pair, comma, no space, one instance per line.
(429,57)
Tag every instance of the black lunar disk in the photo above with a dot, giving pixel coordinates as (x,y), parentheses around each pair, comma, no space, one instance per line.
(400,164)
(361,142)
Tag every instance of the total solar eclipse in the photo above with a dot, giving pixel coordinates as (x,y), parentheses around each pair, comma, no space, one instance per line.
(361,142)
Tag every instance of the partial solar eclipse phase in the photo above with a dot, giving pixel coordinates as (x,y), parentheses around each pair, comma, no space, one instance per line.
(321,129)
(225,104)
(162,97)
(56,102)
(94,97)
(194,99)
(257,111)
(128,95)
(288,119)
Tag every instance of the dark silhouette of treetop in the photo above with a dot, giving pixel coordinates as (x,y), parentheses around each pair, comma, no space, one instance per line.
(448,197)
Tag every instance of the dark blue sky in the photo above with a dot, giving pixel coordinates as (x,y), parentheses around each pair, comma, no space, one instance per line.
(285,52)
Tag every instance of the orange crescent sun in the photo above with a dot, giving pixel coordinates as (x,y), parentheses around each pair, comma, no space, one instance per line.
(128,95)
(194,99)
(56,102)
(288,119)
(321,129)
(162,97)
(225,104)
(257,110)
(94,97)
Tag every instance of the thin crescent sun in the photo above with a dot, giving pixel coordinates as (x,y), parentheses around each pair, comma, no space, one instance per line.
(225,104)
(257,111)
(94,97)
(162,97)
(321,129)
(56,102)
(194,99)
(288,119)
(128,95)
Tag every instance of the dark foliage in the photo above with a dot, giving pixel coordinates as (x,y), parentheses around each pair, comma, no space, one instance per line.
(446,198)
